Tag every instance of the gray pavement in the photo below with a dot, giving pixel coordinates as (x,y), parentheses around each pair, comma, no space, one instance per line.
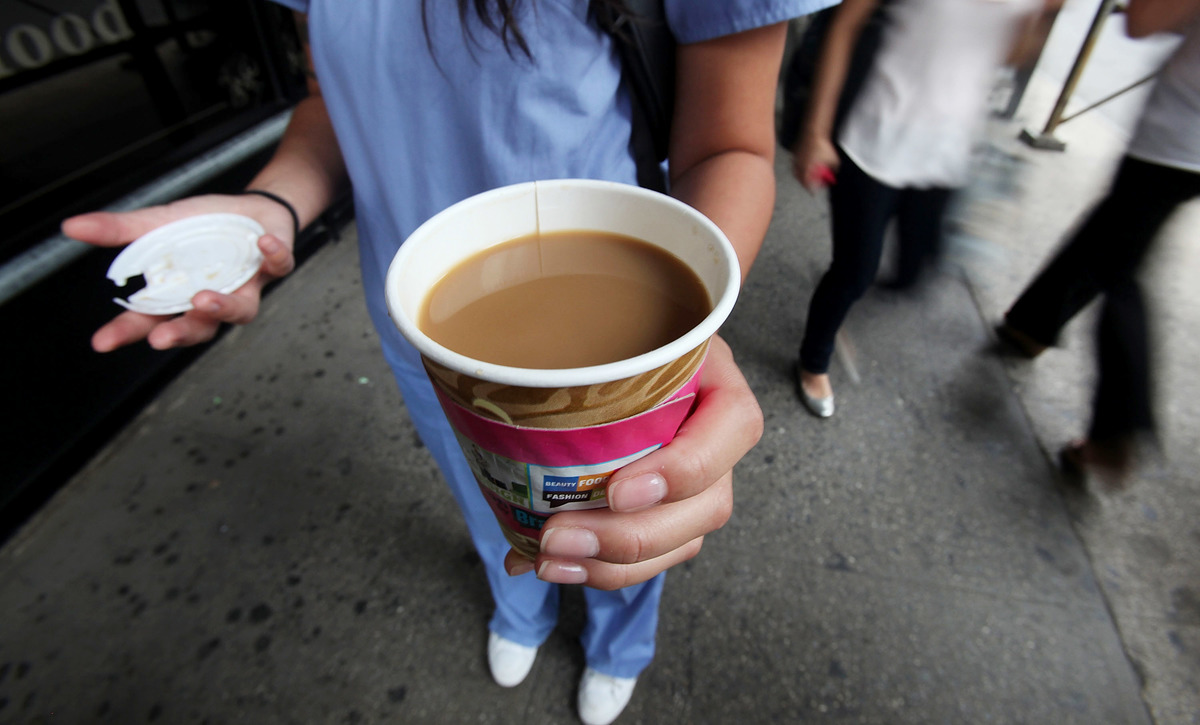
(268,543)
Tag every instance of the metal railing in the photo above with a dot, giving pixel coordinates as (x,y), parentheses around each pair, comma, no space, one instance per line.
(1058,116)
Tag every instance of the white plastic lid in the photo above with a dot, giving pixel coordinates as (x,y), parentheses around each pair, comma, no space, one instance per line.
(209,252)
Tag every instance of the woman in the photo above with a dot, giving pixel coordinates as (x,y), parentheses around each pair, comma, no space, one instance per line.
(901,147)
(1160,171)
(420,105)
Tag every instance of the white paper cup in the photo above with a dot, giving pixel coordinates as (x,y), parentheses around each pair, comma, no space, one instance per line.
(569,398)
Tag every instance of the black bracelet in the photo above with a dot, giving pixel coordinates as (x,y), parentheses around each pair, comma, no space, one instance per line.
(291,209)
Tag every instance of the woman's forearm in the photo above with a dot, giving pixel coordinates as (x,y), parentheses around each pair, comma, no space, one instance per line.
(834,64)
(307,168)
(723,134)
(736,190)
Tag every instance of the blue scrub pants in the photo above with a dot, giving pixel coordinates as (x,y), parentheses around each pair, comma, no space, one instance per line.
(618,639)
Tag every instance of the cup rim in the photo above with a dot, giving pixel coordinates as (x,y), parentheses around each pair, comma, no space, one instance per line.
(578,376)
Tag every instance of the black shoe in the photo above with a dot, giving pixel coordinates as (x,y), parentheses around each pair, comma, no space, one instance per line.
(1019,342)
(1111,461)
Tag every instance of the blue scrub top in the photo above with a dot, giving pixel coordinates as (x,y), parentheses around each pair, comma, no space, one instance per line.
(424,123)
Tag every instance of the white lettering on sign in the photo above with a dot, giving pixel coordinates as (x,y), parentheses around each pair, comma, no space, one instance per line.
(29,46)
(26,46)
(72,34)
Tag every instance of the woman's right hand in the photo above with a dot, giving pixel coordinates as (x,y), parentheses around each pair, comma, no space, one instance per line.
(210,308)
(815,162)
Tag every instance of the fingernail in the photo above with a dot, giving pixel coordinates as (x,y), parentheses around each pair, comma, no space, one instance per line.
(524,566)
(571,543)
(561,572)
(212,306)
(639,492)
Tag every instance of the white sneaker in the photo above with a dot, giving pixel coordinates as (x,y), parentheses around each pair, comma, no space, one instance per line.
(509,661)
(602,698)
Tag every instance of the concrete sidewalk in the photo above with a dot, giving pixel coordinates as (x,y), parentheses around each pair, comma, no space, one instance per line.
(268,543)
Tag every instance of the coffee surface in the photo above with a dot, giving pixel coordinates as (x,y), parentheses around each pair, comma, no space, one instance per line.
(564,300)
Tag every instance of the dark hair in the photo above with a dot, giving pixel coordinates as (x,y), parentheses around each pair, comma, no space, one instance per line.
(499,16)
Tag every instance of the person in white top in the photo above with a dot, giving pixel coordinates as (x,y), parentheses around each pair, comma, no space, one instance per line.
(1160,171)
(902,147)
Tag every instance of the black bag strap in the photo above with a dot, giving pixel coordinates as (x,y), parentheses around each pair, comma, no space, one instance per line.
(647,49)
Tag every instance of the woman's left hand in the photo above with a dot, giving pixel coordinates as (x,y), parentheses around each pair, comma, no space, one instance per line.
(661,506)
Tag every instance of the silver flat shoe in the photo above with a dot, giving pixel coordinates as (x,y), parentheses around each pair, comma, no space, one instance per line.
(820,407)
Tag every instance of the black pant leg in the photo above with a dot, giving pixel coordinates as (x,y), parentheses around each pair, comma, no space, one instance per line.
(1109,246)
(860,209)
(1123,404)
(920,214)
